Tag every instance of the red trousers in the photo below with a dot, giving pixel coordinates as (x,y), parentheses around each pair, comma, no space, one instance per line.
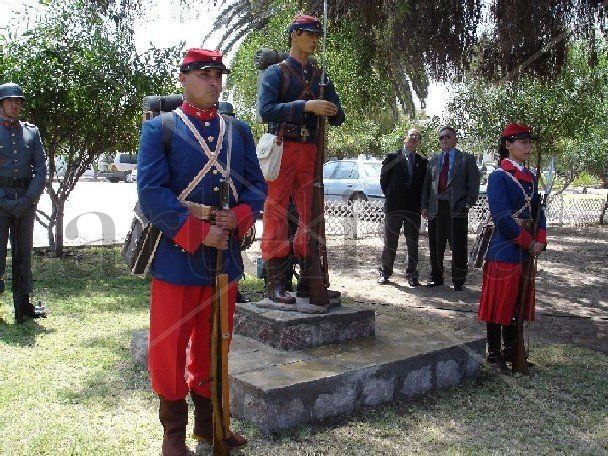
(181,315)
(295,179)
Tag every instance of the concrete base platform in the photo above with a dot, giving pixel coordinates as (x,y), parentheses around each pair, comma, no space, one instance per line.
(276,390)
(298,331)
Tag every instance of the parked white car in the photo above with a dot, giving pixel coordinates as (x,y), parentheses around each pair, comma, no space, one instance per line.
(119,168)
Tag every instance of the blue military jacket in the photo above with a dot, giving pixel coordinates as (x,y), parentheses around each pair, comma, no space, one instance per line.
(274,109)
(162,177)
(510,242)
(22,157)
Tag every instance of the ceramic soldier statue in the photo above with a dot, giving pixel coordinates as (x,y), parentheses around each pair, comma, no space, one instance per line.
(22,178)
(289,103)
(194,230)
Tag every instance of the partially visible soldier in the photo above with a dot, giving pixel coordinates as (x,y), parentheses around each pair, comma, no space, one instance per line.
(22,178)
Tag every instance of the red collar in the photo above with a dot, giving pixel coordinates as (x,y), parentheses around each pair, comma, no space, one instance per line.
(524,175)
(202,114)
(9,123)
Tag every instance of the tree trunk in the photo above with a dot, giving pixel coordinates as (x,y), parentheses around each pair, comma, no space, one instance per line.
(58,248)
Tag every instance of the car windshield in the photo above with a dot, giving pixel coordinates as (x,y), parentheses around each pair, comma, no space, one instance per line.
(372,169)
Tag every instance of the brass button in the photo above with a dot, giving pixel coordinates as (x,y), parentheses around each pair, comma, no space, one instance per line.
(210,138)
(207,124)
(215,171)
(216,189)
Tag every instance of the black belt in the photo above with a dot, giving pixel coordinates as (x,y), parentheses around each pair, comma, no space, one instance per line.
(294,132)
(14,182)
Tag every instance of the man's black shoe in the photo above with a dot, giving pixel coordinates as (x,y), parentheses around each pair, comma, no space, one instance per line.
(382,280)
(1,286)
(434,283)
(412,282)
(459,287)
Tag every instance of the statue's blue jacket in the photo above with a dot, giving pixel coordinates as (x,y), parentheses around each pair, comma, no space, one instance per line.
(274,109)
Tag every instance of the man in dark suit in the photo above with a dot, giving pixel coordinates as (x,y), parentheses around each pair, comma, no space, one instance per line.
(401,179)
(451,187)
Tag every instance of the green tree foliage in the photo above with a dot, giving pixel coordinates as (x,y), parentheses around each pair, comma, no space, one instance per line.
(371,109)
(569,112)
(84,84)
(410,41)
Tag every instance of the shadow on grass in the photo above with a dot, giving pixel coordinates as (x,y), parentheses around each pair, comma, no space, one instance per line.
(112,382)
(22,335)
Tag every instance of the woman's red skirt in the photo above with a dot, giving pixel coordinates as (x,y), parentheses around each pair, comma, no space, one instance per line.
(500,292)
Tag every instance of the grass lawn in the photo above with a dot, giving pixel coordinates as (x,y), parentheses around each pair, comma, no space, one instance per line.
(68,387)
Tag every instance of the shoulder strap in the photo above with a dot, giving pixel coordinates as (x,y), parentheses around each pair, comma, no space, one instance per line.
(167,127)
(527,198)
(284,66)
(231,120)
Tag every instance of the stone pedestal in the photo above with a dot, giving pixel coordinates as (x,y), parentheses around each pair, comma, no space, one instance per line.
(296,369)
(297,331)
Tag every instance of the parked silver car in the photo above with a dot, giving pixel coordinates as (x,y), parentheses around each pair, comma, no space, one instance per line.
(352,179)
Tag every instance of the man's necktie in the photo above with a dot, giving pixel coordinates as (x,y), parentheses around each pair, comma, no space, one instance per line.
(410,168)
(443,175)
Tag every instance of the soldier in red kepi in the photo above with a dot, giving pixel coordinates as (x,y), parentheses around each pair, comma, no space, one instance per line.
(182,269)
(513,200)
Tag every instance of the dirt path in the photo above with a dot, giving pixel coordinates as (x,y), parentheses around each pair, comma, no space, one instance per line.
(572,287)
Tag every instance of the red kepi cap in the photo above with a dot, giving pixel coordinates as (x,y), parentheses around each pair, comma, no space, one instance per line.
(305,22)
(199,59)
(515,131)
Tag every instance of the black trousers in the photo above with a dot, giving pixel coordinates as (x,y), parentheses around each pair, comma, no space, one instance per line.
(393,222)
(21,232)
(452,228)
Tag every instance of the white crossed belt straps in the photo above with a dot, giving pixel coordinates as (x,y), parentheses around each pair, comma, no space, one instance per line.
(527,198)
(212,156)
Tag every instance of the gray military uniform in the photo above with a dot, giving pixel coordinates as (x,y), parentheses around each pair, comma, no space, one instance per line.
(22,174)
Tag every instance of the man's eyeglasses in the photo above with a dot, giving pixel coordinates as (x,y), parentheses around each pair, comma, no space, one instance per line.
(442,137)
(414,136)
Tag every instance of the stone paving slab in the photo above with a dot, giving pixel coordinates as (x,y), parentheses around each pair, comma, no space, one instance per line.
(298,331)
(403,360)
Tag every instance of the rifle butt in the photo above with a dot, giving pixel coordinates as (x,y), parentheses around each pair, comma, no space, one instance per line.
(219,386)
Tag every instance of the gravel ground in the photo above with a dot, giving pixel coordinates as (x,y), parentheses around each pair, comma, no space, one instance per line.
(572,290)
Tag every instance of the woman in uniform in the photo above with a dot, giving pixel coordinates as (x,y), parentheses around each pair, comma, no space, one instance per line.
(513,200)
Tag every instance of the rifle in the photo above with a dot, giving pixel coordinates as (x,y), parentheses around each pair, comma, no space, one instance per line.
(220,331)
(220,342)
(317,248)
(520,362)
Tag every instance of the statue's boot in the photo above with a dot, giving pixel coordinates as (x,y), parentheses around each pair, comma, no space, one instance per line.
(275,281)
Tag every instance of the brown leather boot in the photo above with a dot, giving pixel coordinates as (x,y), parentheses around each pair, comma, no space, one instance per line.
(203,424)
(275,281)
(303,286)
(173,416)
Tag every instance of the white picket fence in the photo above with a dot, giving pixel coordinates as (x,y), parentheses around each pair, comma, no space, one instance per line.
(360,219)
